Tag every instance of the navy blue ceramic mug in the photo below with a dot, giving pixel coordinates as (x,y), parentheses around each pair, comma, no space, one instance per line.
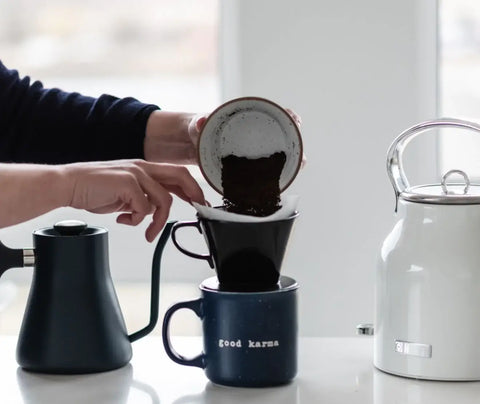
(249,338)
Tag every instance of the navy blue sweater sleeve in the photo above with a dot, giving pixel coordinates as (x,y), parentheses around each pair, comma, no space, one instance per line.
(50,126)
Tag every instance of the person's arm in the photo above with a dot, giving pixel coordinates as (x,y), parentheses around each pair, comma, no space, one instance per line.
(39,125)
(134,188)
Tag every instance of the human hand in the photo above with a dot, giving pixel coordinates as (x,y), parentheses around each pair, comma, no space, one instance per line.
(135,188)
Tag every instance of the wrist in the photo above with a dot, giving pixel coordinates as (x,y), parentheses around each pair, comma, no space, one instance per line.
(64,180)
(167,138)
(167,123)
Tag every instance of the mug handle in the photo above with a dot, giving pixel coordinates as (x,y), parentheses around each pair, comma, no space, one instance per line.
(196,307)
(196,223)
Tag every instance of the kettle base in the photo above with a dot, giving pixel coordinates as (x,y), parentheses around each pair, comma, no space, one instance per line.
(64,371)
(427,378)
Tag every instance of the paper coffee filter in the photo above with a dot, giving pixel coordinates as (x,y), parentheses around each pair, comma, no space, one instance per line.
(288,208)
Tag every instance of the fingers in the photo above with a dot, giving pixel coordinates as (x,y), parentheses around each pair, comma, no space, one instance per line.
(159,218)
(200,123)
(132,199)
(298,120)
(156,193)
(178,179)
(304,161)
(195,126)
(197,122)
(130,219)
(134,196)
(157,181)
(295,116)
(156,196)
(173,189)
(162,201)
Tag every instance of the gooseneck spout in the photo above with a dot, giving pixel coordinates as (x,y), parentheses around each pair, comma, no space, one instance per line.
(155,292)
(15,258)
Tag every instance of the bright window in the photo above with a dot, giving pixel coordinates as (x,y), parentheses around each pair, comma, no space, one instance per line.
(159,51)
(459,82)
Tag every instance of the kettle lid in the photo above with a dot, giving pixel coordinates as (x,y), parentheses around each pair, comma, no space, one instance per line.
(70,227)
(445,193)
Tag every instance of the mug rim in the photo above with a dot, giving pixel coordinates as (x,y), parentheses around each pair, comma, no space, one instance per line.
(289,288)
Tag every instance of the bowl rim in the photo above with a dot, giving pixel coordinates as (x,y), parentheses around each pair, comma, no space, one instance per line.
(259,99)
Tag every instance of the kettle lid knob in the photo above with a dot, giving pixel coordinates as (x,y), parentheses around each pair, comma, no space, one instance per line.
(70,227)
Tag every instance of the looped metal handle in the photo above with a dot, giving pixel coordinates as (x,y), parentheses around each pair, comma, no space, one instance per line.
(460,172)
(394,155)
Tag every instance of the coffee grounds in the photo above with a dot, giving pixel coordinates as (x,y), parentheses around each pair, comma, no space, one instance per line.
(251,186)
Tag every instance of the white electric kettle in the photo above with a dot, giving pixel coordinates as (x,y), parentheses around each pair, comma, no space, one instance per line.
(427,322)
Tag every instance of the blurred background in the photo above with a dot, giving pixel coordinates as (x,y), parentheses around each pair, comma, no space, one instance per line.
(358,73)
(162,51)
(459,81)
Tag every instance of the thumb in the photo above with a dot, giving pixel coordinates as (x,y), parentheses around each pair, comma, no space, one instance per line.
(200,122)
(196,126)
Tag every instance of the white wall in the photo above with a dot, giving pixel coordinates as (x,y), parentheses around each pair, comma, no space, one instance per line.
(358,73)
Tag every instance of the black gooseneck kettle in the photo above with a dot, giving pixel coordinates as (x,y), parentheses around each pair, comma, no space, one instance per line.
(73,322)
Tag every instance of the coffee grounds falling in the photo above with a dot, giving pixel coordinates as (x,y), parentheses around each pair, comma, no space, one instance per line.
(251,186)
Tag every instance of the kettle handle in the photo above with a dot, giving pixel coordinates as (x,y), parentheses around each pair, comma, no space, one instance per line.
(395,152)
(15,258)
(155,284)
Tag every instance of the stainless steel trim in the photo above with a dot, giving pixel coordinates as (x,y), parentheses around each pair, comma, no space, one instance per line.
(434,199)
(394,156)
(413,348)
(448,174)
(28,257)
(365,329)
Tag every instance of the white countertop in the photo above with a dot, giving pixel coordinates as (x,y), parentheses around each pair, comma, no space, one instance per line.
(331,370)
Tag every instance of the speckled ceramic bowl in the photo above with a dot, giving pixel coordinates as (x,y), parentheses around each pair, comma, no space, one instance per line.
(249,127)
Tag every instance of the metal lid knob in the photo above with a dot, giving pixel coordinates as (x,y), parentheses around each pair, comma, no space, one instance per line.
(70,227)
(460,172)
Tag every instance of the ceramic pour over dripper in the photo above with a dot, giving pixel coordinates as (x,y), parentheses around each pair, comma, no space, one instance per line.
(246,256)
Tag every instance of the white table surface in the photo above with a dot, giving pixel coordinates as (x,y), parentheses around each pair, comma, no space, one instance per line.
(331,370)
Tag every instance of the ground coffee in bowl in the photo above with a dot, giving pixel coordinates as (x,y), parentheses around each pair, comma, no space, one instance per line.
(251,185)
